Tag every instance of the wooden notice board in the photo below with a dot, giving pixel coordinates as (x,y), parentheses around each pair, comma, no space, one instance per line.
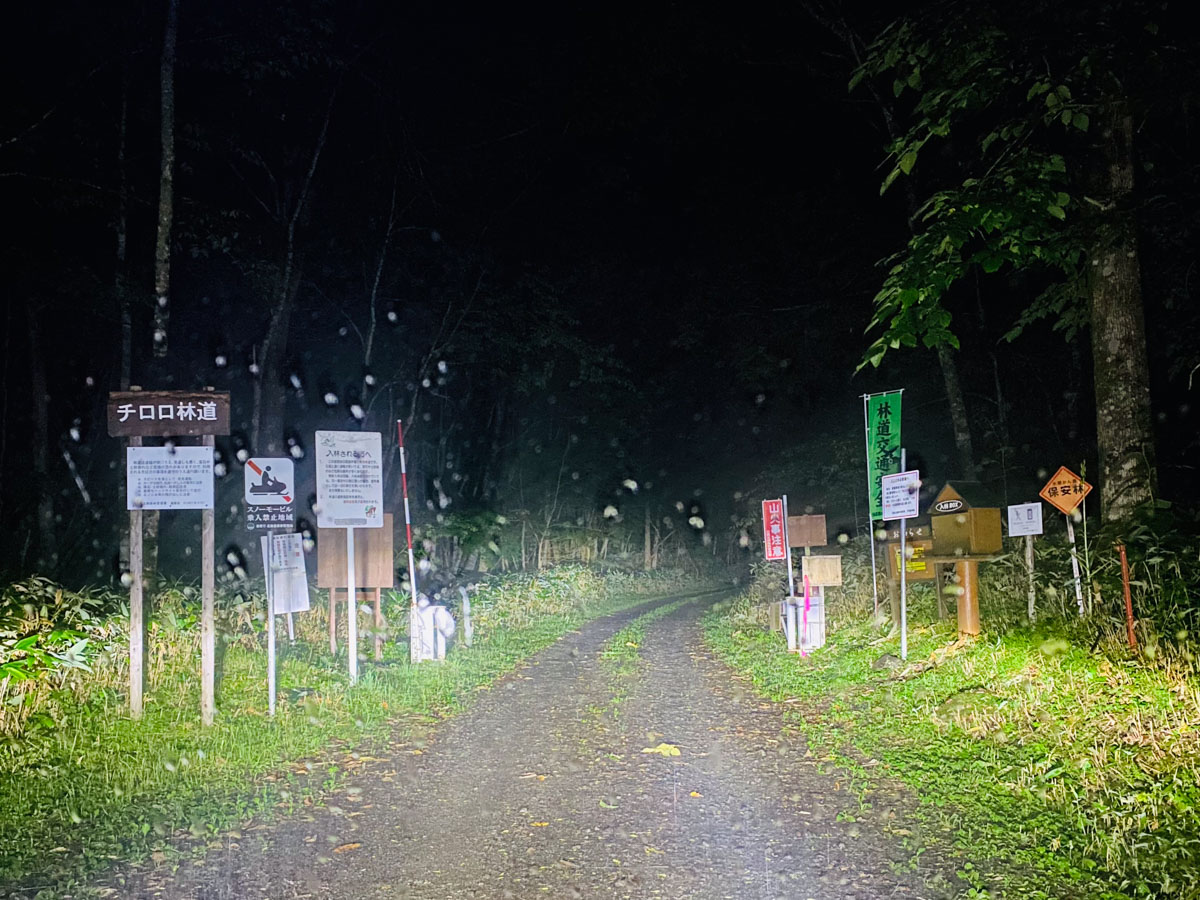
(374,566)
(807,531)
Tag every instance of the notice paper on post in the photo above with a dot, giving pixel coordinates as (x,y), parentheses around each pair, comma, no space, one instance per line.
(169,477)
(349,479)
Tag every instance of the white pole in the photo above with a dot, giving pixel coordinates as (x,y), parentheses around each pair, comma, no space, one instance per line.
(903,575)
(351,608)
(1075,565)
(870,520)
(1029,567)
(270,633)
(291,630)
(414,618)
(787,548)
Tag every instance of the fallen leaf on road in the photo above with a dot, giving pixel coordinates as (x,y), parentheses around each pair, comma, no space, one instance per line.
(539,824)
(695,794)
(662,750)
(346,848)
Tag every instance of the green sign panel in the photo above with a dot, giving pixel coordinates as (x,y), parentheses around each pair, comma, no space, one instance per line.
(883,444)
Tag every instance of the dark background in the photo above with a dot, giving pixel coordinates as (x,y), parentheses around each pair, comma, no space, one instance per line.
(640,241)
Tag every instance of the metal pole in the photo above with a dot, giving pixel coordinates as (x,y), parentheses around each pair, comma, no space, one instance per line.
(1029,568)
(787,548)
(1075,565)
(270,629)
(208,631)
(351,608)
(137,625)
(903,576)
(414,620)
(870,519)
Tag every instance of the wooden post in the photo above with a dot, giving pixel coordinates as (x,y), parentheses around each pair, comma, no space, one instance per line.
(378,623)
(1128,598)
(968,600)
(1029,568)
(270,631)
(208,579)
(333,621)
(137,624)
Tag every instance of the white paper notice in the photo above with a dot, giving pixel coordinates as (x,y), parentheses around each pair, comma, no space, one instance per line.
(349,479)
(289,582)
(169,477)
(1024,518)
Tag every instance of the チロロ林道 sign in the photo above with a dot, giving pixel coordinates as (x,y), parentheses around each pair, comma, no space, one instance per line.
(167,413)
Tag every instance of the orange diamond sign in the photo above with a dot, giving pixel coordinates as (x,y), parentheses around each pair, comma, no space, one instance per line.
(1065,490)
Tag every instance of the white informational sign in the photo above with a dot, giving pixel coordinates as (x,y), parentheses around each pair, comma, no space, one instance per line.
(283,560)
(270,482)
(1024,518)
(901,495)
(349,479)
(169,477)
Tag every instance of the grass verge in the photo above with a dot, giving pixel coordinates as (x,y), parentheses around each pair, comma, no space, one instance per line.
(1048,770)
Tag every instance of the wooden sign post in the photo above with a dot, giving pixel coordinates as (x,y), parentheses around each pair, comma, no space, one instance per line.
(1025,519)
(1065,491)
(172,477)
(374,570)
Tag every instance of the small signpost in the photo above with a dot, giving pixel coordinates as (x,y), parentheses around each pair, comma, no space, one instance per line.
(901,500)
(170,478)
(287,591)
(350,495)
(1025,520)
(1065,491)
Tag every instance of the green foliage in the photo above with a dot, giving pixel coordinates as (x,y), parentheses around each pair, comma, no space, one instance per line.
(1008,94)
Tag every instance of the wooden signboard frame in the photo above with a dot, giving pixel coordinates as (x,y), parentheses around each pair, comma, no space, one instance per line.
(136,414)
(374,570)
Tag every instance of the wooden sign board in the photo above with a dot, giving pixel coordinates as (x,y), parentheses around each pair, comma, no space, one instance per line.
(1065,490)
(167,413)
(823,571)
(807,531)
(374,564)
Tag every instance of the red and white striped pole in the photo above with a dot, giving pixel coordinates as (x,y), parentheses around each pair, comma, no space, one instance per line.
(414,620)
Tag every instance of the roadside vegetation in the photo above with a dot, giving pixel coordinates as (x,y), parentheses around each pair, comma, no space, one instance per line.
(1050,759)
(81,783)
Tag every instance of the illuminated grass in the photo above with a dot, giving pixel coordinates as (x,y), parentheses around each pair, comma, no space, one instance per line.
(97,786)
(1032,757)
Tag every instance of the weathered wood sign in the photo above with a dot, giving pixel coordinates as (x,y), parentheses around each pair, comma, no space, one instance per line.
(167,413)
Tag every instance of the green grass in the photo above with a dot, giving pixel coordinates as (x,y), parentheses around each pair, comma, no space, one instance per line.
(1038,761)
(94,785)
(623,646)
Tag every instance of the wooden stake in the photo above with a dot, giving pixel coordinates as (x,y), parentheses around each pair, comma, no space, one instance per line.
(378,623)
(208,580)
(137,625)
(1032,613)
(1128,598)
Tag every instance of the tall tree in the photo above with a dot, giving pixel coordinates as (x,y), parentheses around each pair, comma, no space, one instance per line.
(1007,95)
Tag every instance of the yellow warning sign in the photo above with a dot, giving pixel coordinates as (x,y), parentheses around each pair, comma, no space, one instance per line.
(1065,490)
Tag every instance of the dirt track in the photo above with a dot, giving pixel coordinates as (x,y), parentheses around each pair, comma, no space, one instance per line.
(542,788)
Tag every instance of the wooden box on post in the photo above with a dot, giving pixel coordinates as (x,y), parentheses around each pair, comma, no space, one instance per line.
(374,570)
(962,526)
(823,571)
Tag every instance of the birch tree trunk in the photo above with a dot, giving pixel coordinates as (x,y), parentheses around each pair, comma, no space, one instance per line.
(958,412)
(1124,432)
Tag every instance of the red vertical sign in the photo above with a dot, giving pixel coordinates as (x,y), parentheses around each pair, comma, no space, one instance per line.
(773,536)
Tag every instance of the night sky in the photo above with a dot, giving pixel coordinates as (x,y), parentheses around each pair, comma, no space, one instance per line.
(682,200)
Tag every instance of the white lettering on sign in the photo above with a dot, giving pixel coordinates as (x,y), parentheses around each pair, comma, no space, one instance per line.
(948,506)
(349,479)
(169,477)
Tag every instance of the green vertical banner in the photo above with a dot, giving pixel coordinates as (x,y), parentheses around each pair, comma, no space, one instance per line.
(883,444)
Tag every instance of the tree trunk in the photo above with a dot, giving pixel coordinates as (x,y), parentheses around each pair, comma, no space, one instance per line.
(958,413)
(647,547)
(1125,437)
(47,545)
(166,184)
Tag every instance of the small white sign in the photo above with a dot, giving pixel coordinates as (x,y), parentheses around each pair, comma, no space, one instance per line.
(901,495)
(270,482)
(283,558)
(1024,518)
(169,477)
(349,479)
